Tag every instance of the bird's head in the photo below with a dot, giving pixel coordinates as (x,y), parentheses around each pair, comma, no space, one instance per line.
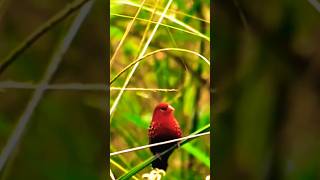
(163,109)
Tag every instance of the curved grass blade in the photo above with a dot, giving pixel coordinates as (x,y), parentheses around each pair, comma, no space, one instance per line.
(171,18)
(162,24)
(126,33)
(146,45)
(154,52)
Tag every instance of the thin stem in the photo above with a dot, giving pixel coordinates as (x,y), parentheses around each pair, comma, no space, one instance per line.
(157,144)
(315,4)
(121,168)
(165,25)
(69,86)
(148,161)
(141,55)
(39,91)
(144,89)
(60,16)
(169,17)
(126,33)
(75,86)
(154,52)
(177,58)
(181,13)
(112,176)
(145,33)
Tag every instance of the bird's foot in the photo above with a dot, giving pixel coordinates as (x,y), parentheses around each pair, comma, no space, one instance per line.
(178,145)
(158,156)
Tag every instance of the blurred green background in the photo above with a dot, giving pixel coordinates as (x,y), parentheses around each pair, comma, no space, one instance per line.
(267,79)
(65,137)
(266,119)
(184,72)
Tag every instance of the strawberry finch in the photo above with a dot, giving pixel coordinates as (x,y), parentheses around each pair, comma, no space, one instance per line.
(163,127)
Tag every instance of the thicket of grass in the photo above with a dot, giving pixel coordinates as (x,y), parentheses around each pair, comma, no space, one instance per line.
(163,49)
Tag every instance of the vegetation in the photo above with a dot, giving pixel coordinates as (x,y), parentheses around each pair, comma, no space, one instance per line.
(52,93)
(266,107)
(160,51)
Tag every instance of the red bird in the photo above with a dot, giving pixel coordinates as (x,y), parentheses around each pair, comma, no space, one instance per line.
(163,127)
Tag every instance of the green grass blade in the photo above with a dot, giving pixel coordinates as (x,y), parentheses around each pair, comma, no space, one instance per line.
(170,18)
(154,52)
(144,164)
(197,153)
(162,24)
(143,51)
(121,168)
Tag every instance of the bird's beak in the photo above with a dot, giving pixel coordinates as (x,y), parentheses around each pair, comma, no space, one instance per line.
(171,108)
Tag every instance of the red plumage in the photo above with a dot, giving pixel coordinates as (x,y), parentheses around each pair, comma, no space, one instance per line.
(163,127)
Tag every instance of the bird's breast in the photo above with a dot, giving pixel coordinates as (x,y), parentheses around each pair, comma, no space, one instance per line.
(165,130)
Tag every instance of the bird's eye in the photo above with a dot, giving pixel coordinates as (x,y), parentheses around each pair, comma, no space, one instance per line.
(163,109)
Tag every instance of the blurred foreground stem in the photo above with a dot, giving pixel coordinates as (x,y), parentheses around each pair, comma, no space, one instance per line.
(60,16)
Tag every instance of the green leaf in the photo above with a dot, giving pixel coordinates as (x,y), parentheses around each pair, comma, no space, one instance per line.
(198,153)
